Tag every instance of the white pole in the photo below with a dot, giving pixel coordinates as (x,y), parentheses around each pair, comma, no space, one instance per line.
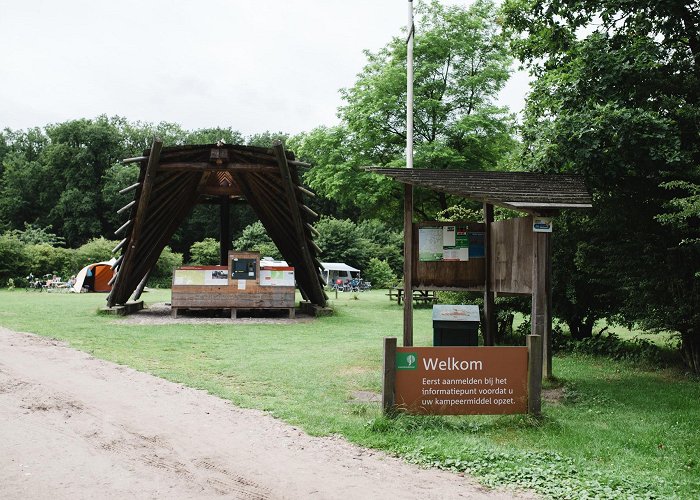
(409,88)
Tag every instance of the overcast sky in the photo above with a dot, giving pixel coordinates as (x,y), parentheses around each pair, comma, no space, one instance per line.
(250,65)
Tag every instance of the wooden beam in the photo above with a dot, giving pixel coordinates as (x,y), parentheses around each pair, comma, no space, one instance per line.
(129,188)
(126,207)
(389,375)
(119,245)
(489,303)
(142,285)
(227,167)
(541,289)
(122,228)
(293,204)
(408,264)
(224,230)
(534,375)
(126,161)
(311,194)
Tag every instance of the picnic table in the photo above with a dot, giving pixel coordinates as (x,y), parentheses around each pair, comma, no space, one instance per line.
(419,296)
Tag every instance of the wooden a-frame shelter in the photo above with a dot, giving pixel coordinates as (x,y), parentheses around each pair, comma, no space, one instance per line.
(173,180)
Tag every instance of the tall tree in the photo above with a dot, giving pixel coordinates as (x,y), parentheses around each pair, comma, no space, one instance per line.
(461,63)
(616,98)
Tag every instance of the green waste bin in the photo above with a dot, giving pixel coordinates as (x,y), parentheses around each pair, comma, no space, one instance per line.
(455,325)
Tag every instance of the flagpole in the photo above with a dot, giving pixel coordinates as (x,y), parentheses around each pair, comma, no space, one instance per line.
(409,87)
(408,192)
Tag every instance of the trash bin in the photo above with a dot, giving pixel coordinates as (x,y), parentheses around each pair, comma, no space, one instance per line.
(455,325)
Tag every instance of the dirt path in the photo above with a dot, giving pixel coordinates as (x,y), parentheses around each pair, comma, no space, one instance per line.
(72,426)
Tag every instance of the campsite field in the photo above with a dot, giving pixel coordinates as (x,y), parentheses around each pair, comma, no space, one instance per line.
(609,429)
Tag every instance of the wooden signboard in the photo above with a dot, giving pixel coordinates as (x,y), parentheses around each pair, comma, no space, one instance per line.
(448,255)
(461,380)
(511,252)
(237,286)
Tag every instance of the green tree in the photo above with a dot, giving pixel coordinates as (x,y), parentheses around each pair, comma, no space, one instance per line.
(341,241)
(205,252)
(616,98)
(461,63)
(254,238)
(379,273)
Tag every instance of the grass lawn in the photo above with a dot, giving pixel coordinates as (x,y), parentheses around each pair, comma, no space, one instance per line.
(618,431)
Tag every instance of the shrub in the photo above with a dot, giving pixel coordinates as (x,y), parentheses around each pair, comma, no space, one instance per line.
(205,252)
(13,258)
(162,274)
(45,259)
(254,238)
(379,272)
(95,250)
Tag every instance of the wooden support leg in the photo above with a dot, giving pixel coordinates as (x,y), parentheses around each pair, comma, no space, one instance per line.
(173,312)
(389,375)
(233,313)
(291,313)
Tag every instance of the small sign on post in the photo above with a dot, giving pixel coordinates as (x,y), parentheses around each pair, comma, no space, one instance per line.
(542,224)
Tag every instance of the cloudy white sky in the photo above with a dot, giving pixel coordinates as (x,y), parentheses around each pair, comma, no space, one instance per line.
(251,65)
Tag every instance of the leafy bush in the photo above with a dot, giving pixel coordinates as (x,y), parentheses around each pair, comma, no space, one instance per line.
(205,252)
(13,258)
(45,259)
(611,346)
(254,238)
(95,250)
(380,273)
(162,274)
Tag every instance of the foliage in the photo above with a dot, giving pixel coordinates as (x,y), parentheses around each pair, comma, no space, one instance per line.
(162,273)
(14,261)
(205,252)
(45,259)
(379,272)
(616,99)
(33,234)
(254,238)
(95,250)
(341,241)
(461,63)
(611,346)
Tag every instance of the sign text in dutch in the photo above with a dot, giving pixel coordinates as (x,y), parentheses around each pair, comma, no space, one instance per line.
(461,380)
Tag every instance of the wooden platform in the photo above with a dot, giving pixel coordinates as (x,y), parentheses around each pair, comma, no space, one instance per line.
(233,311)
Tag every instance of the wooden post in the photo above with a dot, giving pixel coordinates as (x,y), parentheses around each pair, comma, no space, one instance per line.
(489,306)
(389,377)
(224,230)
(534,374)
(541,290)
(407,265)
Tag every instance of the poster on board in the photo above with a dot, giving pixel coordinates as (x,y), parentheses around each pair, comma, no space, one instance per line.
(444,243)
(429,244)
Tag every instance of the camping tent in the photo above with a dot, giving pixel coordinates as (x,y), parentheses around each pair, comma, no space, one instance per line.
(95,277)
(337,270)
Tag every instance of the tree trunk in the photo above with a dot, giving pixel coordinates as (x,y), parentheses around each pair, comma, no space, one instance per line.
(581,329)
(690,350)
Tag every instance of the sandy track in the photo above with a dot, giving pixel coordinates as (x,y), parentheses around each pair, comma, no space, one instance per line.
(72,426)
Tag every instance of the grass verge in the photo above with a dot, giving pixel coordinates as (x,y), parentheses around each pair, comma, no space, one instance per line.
(609,428)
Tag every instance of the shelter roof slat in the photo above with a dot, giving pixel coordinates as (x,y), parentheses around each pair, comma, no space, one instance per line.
(519,190)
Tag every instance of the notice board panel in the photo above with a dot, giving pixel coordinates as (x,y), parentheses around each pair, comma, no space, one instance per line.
(449,255)
(461,380)
(511,256)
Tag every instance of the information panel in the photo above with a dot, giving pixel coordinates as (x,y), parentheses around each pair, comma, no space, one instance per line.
(461,380)
(201,275)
